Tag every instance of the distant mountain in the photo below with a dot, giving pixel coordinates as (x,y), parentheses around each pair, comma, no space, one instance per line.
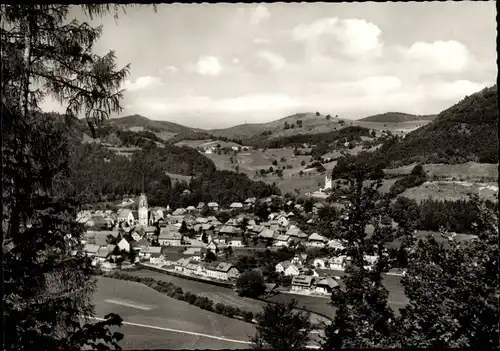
(467,131)
(397,117)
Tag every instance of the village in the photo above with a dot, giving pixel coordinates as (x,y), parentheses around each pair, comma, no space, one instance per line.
(185,243)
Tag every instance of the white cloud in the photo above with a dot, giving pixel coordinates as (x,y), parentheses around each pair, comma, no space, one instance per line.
(276,61)
(443,56)
(236,60)
(451,91)
(261,41)
(380,84)
(208,66)
(259,14)
(169,69)
(141,83)
(356,37)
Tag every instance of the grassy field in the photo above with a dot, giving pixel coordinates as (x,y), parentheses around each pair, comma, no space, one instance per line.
(464,171)
(448,190)
(213,292)
(137,338)
(154,308)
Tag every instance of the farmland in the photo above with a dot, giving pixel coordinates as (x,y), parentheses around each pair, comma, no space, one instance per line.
(464,171)
(216,293)
(452,190)
(137,303)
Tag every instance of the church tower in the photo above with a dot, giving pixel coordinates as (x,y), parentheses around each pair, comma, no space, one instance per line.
(143,210)
(328,181)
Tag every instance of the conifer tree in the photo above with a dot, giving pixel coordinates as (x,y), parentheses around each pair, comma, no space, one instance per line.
(48,281)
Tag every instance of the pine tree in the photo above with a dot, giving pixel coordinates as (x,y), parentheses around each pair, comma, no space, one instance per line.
(48,281)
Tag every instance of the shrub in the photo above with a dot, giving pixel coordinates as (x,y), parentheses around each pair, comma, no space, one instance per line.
(219,308)
(190,298)
(248,316)
(229,311)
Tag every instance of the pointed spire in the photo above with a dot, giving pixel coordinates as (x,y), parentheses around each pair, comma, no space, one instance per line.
(143,182)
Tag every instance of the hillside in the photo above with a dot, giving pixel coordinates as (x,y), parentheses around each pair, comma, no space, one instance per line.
(467,131)
(308,123)
(397,117)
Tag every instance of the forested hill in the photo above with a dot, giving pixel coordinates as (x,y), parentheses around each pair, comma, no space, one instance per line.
(100,174)
(397,117)
(467,131)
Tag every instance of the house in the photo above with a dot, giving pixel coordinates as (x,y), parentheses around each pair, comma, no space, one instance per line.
(371,260)
(222,271)
(228,230)
(267,234)
(316,240)
(212,246)
(202,220)
(179,265)
(200,205)
(282,266)
(169,237)
(186,192)
(213,206)
(102,254)
(177,219)
(283,221)
(190,209)
(179,212)
(236,205)
(235,148)
(125,215)
(147,252)
(91,249)
(193,253)
(123,245)
(292,270)
(326,285)
(299,259)
(236,242)
(295,232)
(282,240)
(208,150)
(320,262)
(336,244)
(302,283)
(157,258)
(250,201)
(338,263)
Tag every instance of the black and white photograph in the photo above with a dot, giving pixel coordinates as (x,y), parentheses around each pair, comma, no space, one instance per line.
(254,176)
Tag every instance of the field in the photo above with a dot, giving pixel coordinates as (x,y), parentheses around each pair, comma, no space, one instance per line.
(465,171)
(397,298)
(213,292)
(452,190)
(137,303)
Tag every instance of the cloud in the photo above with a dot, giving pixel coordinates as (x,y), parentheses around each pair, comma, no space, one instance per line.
(276,61)
(261,41)
(169,69)
(236,60)
(451,91)
(259,14)
(208,66)
(191,104)
(380,84)
(141,83)
(354,37)
(443,56)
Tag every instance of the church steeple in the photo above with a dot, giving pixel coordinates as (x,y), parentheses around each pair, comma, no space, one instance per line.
(143,210)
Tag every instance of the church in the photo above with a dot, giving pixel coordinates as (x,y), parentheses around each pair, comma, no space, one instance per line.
(143,210)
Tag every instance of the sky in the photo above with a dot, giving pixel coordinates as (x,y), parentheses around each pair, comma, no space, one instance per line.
(218,65)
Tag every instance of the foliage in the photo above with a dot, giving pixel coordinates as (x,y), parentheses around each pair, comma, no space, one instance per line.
(210,256)
(363,318)
(351,133)
(280,328)
(453,291)
(251,284)
(416,178)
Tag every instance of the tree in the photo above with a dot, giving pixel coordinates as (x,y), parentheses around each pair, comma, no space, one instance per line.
(251,284)
(281,328)
(275,162)
(363,318)
(317,114)
(210,256)
(328,117)
(308,206)
(303,163)
(48,281)
(453,290)
(228,251)
(183,229)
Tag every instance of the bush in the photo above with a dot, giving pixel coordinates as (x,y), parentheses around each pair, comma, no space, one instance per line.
(190,298)
(248,316)
(219,308)
(229,311)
